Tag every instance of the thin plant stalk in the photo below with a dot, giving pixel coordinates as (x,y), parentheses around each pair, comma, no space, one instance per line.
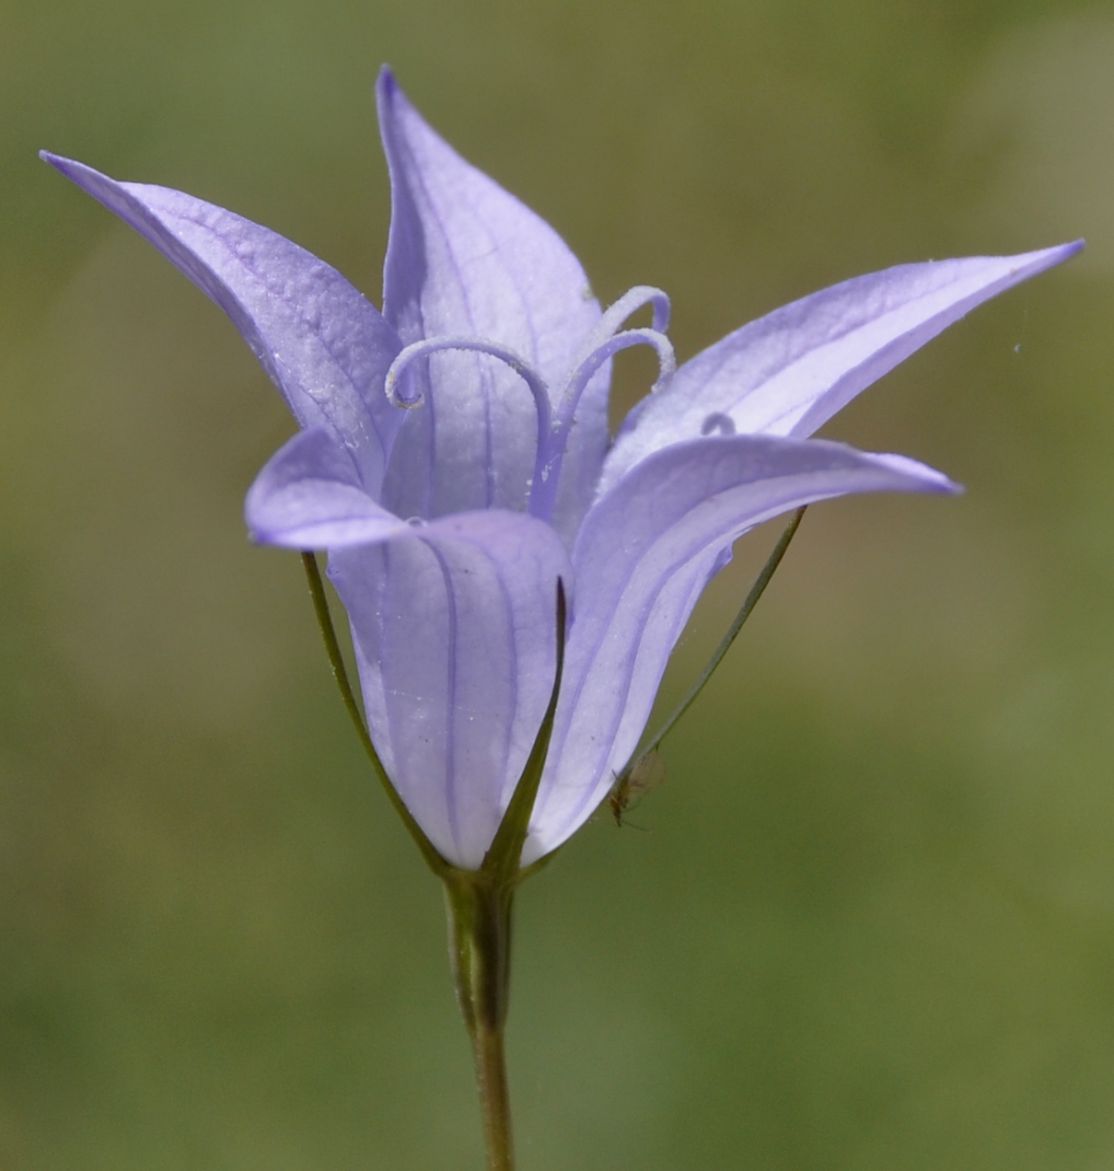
(754,594)
(478,901)
(480,949)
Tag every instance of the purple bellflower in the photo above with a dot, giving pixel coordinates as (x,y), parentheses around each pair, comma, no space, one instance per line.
(454,460)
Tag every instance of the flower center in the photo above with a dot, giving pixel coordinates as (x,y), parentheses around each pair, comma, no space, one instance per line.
(554,423)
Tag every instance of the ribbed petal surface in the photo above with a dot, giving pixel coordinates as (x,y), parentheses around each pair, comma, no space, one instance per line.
(322,343)
(789,372)
(466,258)
(641,560)
(454,630)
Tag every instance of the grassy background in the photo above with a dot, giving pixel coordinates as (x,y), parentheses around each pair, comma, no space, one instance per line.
(871,924)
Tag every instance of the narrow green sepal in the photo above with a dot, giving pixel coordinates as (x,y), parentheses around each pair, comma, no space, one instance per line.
(641,760)
(501,862)
(340,673)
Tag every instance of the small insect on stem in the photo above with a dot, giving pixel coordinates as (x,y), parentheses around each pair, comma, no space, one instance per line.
(633,783)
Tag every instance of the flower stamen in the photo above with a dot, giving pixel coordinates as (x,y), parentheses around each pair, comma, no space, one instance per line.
(719,423)
(629,303)
(543,496)
(433,345)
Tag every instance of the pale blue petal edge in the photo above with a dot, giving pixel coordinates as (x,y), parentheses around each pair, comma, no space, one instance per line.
(789,372)
(642,558)
(320,340)
(309,495)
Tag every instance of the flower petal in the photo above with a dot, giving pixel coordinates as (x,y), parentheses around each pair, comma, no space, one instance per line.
(454,632)
(642,558)
(467,258)
(309,496)
(789,372)
(321,342)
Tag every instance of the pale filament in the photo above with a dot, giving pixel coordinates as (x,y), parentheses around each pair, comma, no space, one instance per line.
(543,496)
(554,426)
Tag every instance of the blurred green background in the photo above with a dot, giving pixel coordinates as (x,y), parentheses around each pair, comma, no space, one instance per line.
(870,921)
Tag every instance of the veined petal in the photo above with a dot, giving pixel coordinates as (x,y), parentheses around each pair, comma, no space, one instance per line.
(321,342)
(642,558)
(789,372)
(454,632)
(309,496)
(466,258)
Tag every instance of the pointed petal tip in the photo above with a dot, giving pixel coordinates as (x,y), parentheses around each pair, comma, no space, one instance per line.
(923,477)
(89,179)
(388,93)
(66,166)
(1030,264)
(386,83)
(80,173)
(1058,253)
(392,106)
(1067,251)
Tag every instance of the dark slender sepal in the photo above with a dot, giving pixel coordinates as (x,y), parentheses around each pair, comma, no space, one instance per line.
(340,673)
(757,589)
(502,860)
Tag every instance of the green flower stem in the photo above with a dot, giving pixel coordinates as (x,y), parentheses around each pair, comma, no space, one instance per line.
(479,906)
(479,950)
(479,901)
